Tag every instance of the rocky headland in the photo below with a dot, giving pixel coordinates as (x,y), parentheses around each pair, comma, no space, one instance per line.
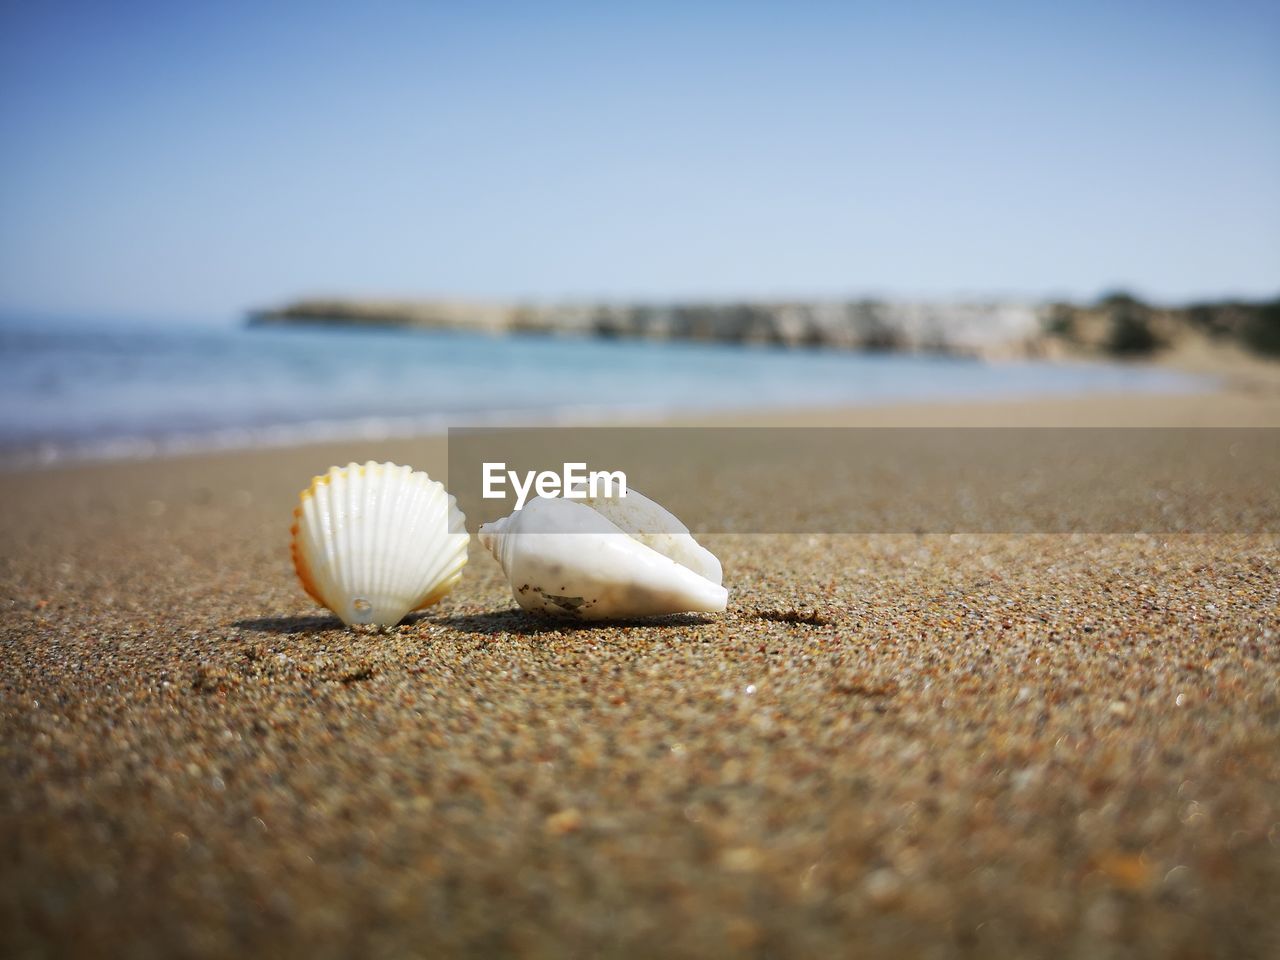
(1118,324)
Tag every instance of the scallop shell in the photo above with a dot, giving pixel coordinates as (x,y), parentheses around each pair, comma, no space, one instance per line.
(604,559)
(372,542)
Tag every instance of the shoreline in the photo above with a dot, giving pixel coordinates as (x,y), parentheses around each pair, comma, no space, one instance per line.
(823,382)
(392,429)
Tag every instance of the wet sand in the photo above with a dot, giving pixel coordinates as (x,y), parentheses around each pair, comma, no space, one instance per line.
(908,745)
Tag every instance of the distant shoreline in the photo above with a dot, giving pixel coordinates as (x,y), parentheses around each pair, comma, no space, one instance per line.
(1117,326)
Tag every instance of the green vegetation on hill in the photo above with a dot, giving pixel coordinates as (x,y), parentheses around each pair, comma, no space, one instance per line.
(1122,325)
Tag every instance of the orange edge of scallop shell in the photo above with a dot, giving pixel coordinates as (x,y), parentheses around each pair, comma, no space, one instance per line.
(442,591)
(300,565)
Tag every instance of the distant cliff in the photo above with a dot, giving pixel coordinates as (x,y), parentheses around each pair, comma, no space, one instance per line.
(1118,324)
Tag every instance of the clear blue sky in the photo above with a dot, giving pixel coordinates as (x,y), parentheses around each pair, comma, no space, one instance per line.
(192,160)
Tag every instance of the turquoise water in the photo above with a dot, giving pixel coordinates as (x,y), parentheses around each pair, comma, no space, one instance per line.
(128,390)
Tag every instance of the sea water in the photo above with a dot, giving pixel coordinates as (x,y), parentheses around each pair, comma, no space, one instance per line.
(99,389)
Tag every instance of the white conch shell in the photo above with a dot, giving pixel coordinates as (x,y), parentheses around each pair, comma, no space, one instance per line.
(372,542)
(604,559)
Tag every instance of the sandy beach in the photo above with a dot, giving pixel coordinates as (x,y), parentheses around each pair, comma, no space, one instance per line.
(901,746)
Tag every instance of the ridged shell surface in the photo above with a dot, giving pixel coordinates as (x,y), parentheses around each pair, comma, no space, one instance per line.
(564,558)
(374,541)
